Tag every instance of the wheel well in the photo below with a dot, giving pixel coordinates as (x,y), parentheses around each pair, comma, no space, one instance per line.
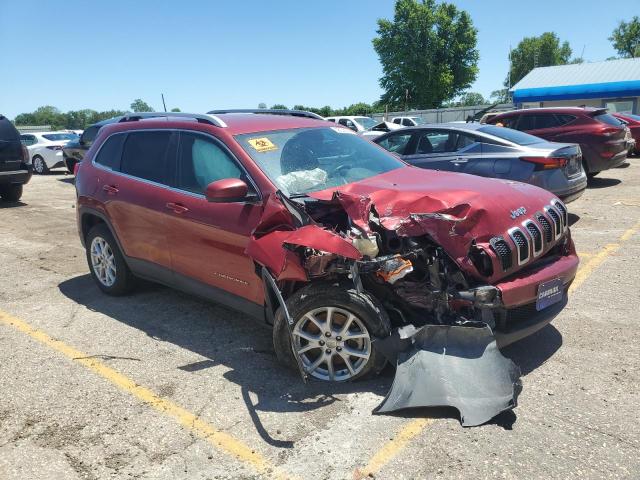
(88,222)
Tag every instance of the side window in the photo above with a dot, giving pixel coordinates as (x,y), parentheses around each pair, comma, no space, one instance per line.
(396,120)
(436,141)
(145,155)
(508,122)
(565,119)
(407,123)
(331,120)
(343,121)
(463,141)
(546,121)
(110,153)
(202,161)
(396,143)
(527,122)
(27,140)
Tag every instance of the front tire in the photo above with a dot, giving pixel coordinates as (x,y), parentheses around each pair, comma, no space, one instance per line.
(106,263)
(39,165)
(11,193)
(334,329)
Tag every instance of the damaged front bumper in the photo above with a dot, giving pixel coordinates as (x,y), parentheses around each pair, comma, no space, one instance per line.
(450,365)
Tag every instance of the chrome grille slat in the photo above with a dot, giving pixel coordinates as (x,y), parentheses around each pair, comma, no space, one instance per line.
(546,227)
(555,220)
(522,244)
(536,236)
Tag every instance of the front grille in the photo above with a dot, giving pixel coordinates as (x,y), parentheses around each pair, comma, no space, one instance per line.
(536,235)
(503,251)
(556,220)
(546,227)
(563,211)
(522,243)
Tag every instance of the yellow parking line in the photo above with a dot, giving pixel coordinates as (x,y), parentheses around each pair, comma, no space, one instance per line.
(596,260)
(392,447)
(216,438)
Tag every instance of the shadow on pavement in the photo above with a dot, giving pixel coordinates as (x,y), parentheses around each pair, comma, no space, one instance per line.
(223,337)
(596,182)
(69,180)
(4,204)
(244,346)
(573,218)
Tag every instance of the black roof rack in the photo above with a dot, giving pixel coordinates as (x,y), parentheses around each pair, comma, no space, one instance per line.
(199,117)
(270,111)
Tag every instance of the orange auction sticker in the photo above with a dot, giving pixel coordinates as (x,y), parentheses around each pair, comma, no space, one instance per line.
(262,144)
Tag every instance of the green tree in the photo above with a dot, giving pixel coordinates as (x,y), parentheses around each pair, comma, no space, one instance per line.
(531,52)
(279,106)
(469,99)
(428,50)
(175,109)
(139,105)
(626,38)
(500,96)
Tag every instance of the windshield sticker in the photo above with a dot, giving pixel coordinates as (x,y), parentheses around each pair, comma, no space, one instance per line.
(262,144)
(342,130)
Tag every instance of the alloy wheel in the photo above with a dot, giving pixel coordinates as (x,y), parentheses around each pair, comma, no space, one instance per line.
(103,261)
(333,343)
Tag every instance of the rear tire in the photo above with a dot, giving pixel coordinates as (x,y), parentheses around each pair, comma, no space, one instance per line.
(11,193)
(106,263)
(39,165)
(369,317)
(591,175)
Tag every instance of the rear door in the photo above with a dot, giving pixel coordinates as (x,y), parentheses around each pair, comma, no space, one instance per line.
(543,125)
(435,149)
(208,240)
(133,187)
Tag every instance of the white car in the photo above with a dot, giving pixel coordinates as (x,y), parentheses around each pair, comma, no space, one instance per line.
(408,121)
(380,128)
(355,123)
(45,149)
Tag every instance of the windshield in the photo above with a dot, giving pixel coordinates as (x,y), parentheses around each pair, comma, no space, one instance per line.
(305,160)
(56,137)
(366,122)
(418,120)
(510,135)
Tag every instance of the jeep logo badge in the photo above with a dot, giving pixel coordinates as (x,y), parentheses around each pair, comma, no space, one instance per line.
(517,212)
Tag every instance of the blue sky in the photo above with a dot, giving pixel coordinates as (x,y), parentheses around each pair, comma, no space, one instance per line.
(221,54)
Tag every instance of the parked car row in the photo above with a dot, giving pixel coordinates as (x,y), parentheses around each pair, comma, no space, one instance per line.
(45,148)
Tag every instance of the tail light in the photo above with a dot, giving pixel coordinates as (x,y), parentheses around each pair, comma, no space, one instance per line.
(54,147)
(609,131)
(25,155)
(546,163)
(75,169)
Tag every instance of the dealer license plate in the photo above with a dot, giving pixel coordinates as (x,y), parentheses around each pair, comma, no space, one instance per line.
(549,293)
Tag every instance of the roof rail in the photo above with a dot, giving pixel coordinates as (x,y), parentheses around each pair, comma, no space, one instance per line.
(199,117)
(270,111)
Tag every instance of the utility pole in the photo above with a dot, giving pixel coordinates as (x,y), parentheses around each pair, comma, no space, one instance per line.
(163,104)
(406,101)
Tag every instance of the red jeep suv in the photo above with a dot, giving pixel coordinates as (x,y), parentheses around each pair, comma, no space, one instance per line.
(328,237)
(602,137)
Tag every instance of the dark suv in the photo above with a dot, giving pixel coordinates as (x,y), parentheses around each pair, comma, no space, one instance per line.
(15,165)
(330,238)
(602,137)
(74,151)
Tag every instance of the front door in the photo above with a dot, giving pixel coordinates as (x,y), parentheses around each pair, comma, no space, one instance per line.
(208,240)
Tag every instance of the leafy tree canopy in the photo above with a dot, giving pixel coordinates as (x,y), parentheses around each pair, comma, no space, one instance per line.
(531,52)
(427,51)
(626,38)
(139,105)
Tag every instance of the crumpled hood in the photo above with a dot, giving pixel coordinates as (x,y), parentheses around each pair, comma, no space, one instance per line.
(453,208)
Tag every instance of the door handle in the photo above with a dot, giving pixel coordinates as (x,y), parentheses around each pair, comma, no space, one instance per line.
(177,207)
(110,189)
(459,160)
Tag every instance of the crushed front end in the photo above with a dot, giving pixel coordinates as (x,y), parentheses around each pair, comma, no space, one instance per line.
(465,274)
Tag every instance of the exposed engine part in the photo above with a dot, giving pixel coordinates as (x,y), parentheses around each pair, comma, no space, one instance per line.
(368,246)
(394,269)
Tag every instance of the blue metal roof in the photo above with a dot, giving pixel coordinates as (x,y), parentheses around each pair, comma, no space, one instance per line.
(609,79)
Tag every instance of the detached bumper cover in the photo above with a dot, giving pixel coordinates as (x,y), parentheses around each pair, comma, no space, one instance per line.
(457,366)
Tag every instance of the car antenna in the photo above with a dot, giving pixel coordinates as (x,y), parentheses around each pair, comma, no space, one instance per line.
(163,104)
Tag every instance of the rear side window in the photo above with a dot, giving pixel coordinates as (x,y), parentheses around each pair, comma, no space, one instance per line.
(546,121)
(396,143)
(146,154)
(110,153)
(527,122)
(28,140)
(608,119)
(203,161)
(565,119)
